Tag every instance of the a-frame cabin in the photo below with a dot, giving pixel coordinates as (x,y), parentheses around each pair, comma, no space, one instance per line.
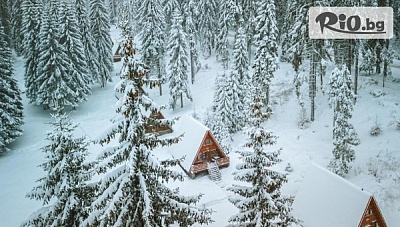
(198,147)
(326,199)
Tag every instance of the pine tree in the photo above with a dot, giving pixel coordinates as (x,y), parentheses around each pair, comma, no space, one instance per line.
(341,98)
(220,130)
(240,77)
(246,11)
(11,116)
(100,29)
(63,191)
(132,191)
(191,31)
(225,21)
(207,24)
(56,83)
(265,62)
(5,19)
(368,60)
(16,25)
(179,63)
(223,104)
(31,22)
(71,39)
(260,204)
(151,19)
(90,51)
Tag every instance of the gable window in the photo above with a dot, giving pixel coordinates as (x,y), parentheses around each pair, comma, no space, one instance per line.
(207,142)
(374,224)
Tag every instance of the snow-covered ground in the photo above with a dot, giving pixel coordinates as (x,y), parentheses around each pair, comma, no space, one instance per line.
(376,168)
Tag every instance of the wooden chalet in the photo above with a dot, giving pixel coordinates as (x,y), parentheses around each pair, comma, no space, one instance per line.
(326,199)
(159,130)
(198,147)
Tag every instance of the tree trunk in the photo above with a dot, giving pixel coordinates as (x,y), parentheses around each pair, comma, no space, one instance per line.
(356,74)
(378,59)
(385,63)
(350,53)
(160,76)
(192,67)
(249,49)
(181,100)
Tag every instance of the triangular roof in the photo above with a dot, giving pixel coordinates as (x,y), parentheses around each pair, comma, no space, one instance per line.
(326,199)
(193,134)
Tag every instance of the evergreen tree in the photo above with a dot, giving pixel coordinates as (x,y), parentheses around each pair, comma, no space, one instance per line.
(63,190)
(56,84)
(178,64)
(16,25)
(90,51)
(368,60)
(133,191)
(223,104)
(341,98)
(207,24)
(220,131)
(100,29)
(151,20)
(265,62)
(31,21)
(246,11)
(5,19)
(225,20)
(11,118)
(191,30)
(71,39)
(241,79)
(261,203)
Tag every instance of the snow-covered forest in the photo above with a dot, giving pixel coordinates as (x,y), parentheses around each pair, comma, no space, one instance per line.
(84,82)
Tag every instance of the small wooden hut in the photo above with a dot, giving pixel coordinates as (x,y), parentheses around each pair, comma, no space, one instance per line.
(159,130)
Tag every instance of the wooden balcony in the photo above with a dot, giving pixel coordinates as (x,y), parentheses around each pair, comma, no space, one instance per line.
(202,167)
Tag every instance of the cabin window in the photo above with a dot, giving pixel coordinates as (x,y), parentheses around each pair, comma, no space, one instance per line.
(374,224)
(207,142)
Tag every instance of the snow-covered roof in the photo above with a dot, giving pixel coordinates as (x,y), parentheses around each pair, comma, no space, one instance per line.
(326,199)
(194,132)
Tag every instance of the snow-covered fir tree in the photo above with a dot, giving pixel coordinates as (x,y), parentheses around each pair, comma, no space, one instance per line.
(16,24)
(368,60)
(5,19)
(240,77)
(178,64)
(11,116)
(55,83)
(207,19)
(151,20)
(225,20)
(63,190)
(220,130)
(191,31)
(223,103)
(265,62)
(100,29)
(71,40)
(132,191)
(341,99)
(31,18)
(90,51)
(261,203)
